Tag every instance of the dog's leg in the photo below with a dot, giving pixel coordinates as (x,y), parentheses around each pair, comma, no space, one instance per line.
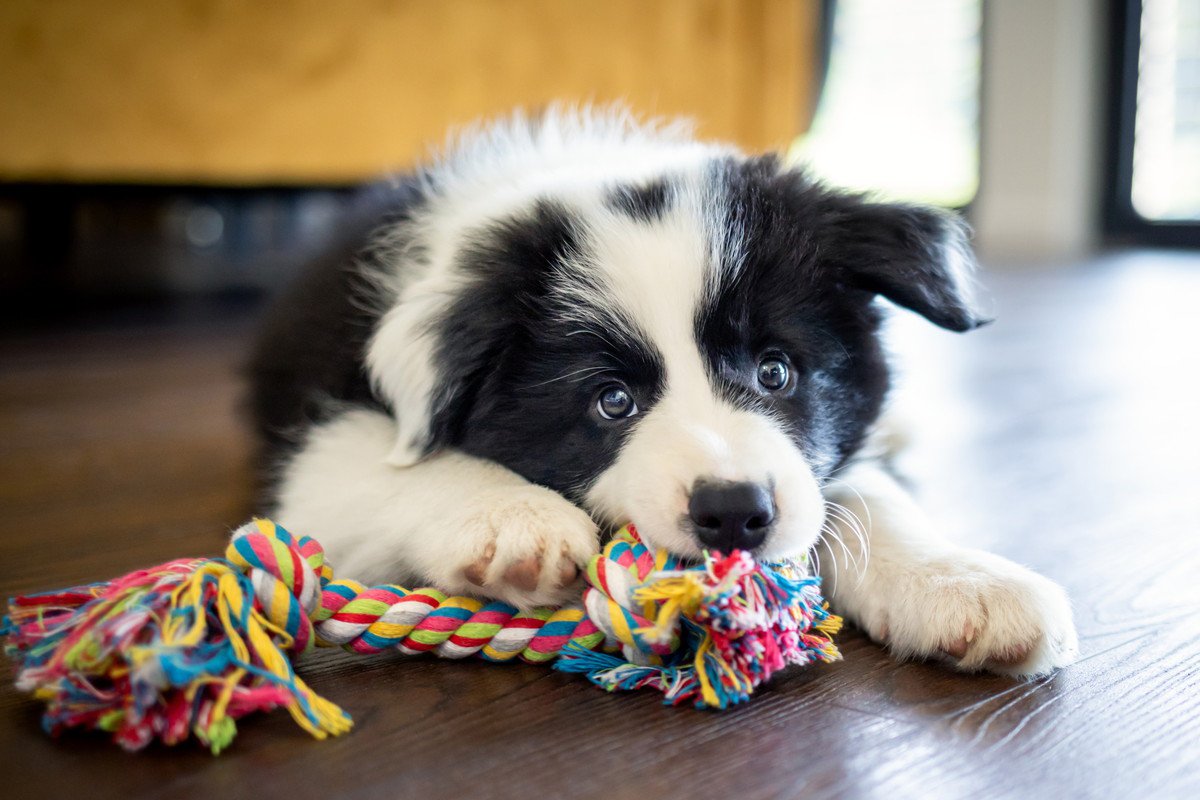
(923,596)
(458,523)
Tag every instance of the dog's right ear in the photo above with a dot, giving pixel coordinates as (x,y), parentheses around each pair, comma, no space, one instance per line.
(450,328)
(916,256)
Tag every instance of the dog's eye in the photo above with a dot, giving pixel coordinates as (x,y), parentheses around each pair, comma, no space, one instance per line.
(773,374)
(615,402)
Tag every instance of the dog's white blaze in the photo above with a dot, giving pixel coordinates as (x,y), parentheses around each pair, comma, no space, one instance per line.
(657,274)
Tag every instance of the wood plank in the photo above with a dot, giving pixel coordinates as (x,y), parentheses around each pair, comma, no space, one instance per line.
(1063,436)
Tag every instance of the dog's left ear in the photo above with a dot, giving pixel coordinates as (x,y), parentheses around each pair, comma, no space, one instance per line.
(917,257)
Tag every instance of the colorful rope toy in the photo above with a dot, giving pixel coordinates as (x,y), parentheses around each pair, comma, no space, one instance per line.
(192,645)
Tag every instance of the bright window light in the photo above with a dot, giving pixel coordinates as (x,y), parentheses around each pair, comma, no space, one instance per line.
(899,113)
(1166,132)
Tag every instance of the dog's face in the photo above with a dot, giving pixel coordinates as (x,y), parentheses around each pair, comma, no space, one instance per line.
(694,351)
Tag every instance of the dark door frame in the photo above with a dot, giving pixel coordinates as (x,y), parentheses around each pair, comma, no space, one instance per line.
(1122,223)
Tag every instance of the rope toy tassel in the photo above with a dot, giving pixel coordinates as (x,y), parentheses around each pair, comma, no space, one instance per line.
(739,621)
(160,653)
(189,647)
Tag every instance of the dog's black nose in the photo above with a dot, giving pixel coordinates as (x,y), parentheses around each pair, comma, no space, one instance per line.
(729,516)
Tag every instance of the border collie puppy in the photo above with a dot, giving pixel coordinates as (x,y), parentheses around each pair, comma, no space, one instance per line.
(576,321)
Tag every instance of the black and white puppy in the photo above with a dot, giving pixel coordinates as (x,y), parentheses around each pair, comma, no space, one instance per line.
(579,321)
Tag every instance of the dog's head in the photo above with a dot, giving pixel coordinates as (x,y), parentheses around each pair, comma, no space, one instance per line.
(689,344)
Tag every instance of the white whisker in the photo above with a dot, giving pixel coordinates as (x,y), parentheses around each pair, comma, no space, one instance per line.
(824,542)
(852,521)
(589,370)
(815,552)
(862,501)
(847,556)
(837,513)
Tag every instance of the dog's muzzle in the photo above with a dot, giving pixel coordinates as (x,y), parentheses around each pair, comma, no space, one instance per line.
(731,515)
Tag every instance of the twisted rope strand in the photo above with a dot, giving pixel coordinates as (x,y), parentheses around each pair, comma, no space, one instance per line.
(758,628)
(296,591)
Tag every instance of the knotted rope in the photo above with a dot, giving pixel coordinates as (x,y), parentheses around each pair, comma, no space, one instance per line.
(191,645)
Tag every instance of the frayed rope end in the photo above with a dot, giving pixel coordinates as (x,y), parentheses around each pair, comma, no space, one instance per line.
(164,653)
(742,621)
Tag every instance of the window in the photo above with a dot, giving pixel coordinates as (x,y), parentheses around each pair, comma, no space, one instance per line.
(899,112)
(1166,129)
(1155,150)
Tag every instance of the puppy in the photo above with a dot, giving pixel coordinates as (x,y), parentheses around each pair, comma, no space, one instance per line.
(578,321)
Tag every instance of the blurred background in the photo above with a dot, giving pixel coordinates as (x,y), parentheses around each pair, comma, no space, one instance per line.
(171,150)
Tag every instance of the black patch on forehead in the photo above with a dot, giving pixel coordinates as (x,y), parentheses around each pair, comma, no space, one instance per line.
(647,202)
(519,364)
(779,299)
(508,265)
(517,254)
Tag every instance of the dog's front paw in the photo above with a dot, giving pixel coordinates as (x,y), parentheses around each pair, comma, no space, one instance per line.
(525,547)
(980,610)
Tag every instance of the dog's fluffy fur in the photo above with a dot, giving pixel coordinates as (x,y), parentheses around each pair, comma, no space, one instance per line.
(433,406)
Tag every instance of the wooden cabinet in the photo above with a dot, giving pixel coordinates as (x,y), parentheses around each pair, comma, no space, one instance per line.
(331,91)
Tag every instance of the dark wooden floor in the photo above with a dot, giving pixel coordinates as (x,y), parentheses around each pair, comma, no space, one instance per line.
(1065,436)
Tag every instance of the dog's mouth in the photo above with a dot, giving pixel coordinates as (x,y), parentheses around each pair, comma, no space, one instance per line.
(686,547)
